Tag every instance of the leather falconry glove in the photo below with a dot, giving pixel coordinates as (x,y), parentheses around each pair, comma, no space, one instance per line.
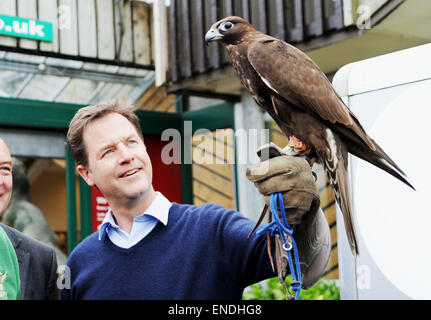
(293,177)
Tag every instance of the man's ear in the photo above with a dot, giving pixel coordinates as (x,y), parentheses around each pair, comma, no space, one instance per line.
(85,174)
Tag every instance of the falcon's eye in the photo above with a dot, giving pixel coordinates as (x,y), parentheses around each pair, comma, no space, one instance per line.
(226,26)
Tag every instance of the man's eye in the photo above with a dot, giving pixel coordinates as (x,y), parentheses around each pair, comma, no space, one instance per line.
(5,169)
(132,141)
(107,152)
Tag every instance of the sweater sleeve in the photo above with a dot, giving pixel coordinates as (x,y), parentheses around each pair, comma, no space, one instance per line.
(245,258)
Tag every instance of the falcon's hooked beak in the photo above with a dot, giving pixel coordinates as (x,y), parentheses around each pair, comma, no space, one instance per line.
(212,35)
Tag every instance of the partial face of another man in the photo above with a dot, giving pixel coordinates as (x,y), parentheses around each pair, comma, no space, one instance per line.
(118,162)
(5,177)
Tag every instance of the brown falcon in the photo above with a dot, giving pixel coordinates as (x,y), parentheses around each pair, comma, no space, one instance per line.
(286,83)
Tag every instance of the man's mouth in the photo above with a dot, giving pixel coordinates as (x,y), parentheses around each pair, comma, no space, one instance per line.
(129,173)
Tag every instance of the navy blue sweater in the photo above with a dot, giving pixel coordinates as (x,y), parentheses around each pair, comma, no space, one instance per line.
(202,253)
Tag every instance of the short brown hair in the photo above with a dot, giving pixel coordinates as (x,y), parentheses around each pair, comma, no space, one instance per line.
(86,115)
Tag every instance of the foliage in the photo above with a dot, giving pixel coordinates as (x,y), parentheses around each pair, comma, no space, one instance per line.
(272,289)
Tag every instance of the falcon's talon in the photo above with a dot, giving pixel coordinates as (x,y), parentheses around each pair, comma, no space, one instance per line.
(297,144)
(290,151)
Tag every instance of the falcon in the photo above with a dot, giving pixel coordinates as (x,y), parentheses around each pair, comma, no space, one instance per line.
(287,84)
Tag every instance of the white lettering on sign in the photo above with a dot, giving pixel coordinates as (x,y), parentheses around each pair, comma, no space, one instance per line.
(20,28)
(101,200)
(25,28)
(30,28)
(36,29)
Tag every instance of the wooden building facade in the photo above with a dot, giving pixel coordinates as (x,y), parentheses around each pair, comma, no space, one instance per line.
(106,31)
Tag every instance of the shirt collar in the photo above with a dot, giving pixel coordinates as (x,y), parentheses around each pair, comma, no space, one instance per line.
(158,209)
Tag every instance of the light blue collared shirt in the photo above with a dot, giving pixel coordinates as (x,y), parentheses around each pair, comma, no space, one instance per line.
(142,224)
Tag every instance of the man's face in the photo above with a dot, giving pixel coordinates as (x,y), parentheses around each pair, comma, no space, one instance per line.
(118,162)
(5,177)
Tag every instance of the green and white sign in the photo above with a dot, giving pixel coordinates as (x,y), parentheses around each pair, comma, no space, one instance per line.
(25,28)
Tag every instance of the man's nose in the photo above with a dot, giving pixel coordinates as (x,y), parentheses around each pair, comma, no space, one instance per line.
(125,154)
(2,181)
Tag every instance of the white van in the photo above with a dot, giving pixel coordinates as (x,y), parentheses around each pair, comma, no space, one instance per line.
(391,96)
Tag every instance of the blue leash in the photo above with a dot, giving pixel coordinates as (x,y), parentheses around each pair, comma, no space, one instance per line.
(277,227)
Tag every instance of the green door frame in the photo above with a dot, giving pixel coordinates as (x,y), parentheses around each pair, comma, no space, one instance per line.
(24,113)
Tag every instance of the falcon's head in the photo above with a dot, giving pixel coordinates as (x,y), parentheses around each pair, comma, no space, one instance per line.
(230,30)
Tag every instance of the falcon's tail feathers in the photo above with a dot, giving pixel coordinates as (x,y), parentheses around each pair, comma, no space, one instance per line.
(334,160)
(335,164)
(341,188)
(381,160)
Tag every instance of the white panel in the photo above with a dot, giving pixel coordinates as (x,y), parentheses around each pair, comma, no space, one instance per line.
(249,126)
(161,43)
(105,29)
(68,27)
(87,28)
(393,220)
(141,33)
(385,71)
(153,40)
(347,12)
(8,8)
(48,12)
(27,9)
(126,53)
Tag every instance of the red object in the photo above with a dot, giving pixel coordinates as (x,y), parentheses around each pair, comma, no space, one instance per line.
(166,179)
(99,207)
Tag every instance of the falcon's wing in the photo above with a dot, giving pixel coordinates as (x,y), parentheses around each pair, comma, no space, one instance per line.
(293,75)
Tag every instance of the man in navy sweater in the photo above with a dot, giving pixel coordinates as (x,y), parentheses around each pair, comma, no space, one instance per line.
(150,248)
